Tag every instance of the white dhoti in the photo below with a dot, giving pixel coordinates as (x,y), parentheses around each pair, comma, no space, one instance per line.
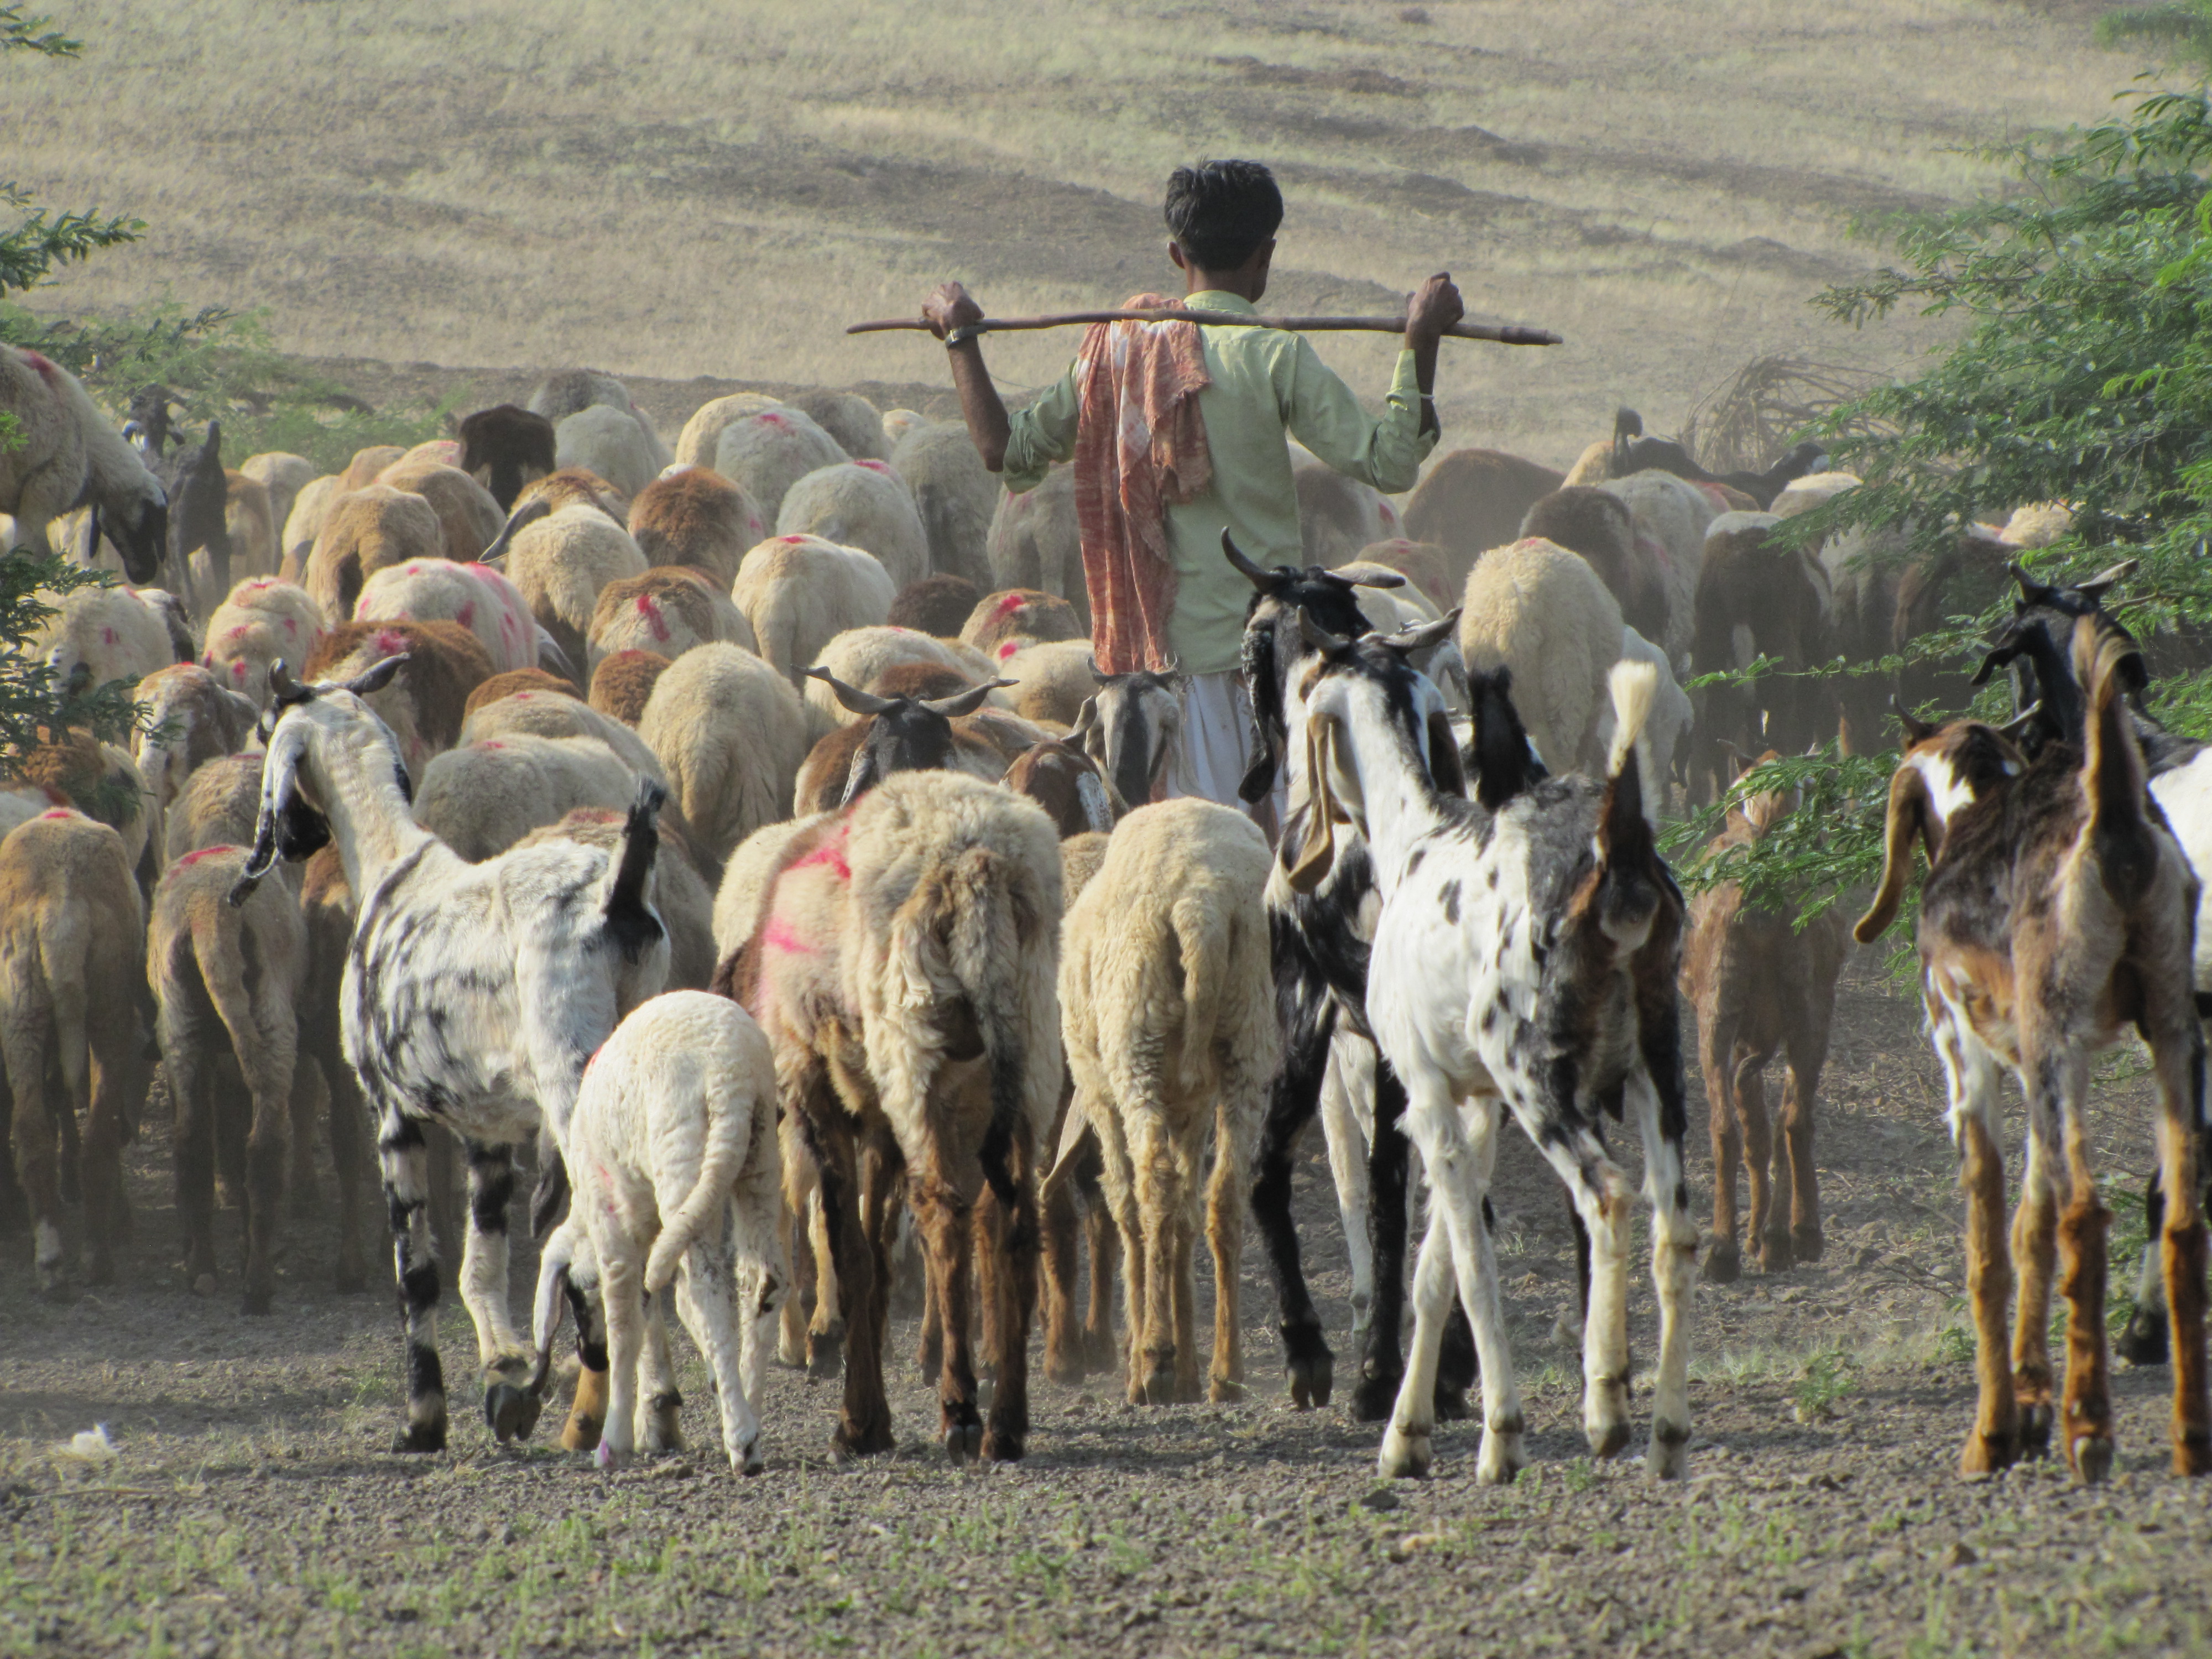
(1216,749)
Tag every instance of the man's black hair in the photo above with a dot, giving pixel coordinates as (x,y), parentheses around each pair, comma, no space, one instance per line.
(1220,212)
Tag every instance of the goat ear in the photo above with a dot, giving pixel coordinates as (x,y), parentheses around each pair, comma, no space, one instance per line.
(1259,779)
(861,776)
(1998,657)
(1916,731)
(1086,719)
(1317,853)
(2031,592)
(1907,823)
(2098,584)
(279,774)
(1444,755)
(376,678)
(854,699)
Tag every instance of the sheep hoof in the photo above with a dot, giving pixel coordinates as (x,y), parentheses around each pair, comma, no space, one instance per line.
(257,1304)
(1374,1395)
(419,1438)
(607,1458)
(1667,1457)
(2144,1341)
(825,1352)
(2092,1458)
(511,1411)
(1405,1456)
(964,1442)
(1807,1242)
(1607,1439)
(1774,1253)
(2035,1428)
(1723,1262)
(664,1430)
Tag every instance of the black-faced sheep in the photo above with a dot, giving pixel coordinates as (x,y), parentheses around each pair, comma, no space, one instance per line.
(505,447)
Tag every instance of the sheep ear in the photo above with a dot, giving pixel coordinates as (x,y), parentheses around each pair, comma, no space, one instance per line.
(1317,853)
(1444,755)
(854,699)
(368,683)
(1907,822)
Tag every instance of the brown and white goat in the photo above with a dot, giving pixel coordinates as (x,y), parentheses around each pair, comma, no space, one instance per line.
(2059,911)
(1761,986)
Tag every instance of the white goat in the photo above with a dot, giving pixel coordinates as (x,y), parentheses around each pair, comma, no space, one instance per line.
(473,994)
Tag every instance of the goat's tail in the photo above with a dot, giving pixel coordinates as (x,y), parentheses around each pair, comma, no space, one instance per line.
(730,1105)
(1626,848)
(630,917)
(2113,777)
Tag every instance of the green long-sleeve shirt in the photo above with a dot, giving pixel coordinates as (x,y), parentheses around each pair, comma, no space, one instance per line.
(1264,383)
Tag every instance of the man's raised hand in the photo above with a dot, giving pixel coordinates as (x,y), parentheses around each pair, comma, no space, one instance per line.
(1433,308)
(948,307)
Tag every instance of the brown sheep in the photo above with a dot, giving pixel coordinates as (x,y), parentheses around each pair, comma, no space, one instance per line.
(99,779)
(1760,984)
(1472,500)
(366,529)
(505,447)
(622,684)
(361,471)
(937,604)
(1421,563)
(1587,520)
(468,516)
(217,807)
(224,977)
(425,705)
(326,907)
(515,680)
(72,984)
(698,519)
(571,486)
(1020,613)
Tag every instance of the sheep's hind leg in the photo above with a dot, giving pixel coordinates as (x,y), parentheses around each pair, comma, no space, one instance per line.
(661,1427)
(1010,1279)
(510,1405)
(405,1159)
(587,1412)
(1225,1235)
(192,1147)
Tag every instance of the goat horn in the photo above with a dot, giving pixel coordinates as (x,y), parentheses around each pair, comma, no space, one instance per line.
(521,518)
(2019,722)
(376,677)
(284,687)
(962,703)
(1421,635)
(1317,636)
(1262,579)
(855,700)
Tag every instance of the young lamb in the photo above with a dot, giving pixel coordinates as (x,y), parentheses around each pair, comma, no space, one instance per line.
(365,530)
(505,447)
(698,520)
(860,504)
(474,596)
(903,969)
(676,1180)
(1542,612)
(224,978)
(1554,998)
(1034,545)
(800,592)
(2057,914)
(468,514)
(1761,985)
(730,734)
(956,495)
(71,455)
(669,609)
(1167,1006)
(472,997)
(767,451)
(72,981)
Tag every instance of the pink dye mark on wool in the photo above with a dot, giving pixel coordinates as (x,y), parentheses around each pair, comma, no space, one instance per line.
(108,635)
(58,812)
(238,672)
(389,639)
(292,625)
(651,612)
(874,465)
(1654,550)
(1007,649)
(491,743)
(43,368)
(791,541)
(830,853)
(1007,605)
(769,418)
(780,935)
(203,852)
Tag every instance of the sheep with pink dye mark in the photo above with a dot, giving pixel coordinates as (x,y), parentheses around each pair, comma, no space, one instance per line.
(801,592)
(263,618)
(475,596)
(860,504)
(766,453)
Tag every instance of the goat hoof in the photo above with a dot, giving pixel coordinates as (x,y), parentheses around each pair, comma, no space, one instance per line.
(1405,1456)
(2035,1429)
(510,1412)
(1668,1458)
(849,1442)
(1986,1454)
(2143,1342)
(1607,1439)
(2092,1458)
(606,1457)
(1807,1242)
(1224,1391)
(964,1442)
(419,1438)
(257,1304)
(1450,1405)
(825,1353)
(664,1430)
(1312,1379)
(1374,1397)
(1723,1262)
(1003,1445)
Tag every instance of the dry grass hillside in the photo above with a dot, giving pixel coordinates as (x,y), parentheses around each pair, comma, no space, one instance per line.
(675,190)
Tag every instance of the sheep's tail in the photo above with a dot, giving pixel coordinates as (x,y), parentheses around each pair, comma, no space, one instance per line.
(1628,852)
(218,941)
(630,917)
(730,1109)
(2113,776)
(1206,935)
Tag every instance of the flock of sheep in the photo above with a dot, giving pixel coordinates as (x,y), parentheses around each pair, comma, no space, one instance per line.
(741,834)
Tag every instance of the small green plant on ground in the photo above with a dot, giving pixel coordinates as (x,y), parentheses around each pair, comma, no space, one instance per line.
(1828,1376)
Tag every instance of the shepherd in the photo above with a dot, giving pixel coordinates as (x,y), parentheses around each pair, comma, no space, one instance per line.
(1177,434)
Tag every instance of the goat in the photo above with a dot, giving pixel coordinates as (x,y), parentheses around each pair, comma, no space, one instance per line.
(902,734)
(1523,959)
(1131,726)
(1761,984)
(2058,909)
(471,998)
(1633,453)
(1319,939)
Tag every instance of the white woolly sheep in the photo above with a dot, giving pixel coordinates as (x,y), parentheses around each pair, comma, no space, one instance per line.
(1542,612)
(538,714)
(304,523)
(766,453)
(702,433)
(730,734)
(1052,682)
(1809,491)
(849,418)
(1168,1011)
(560,561)
(862,504)
(283,475)
(263,618)
(607,441)
(474,596)
(68,455)
(570,392)
(191,718)
(2038,523)
(696,518)
(897,422)
(747,879)
(482,799)
(72,979)
(800,592)
(677,1175)
(110,632)
(365,530)
(957,496)
(361,471)
(1027,616)
(669,609)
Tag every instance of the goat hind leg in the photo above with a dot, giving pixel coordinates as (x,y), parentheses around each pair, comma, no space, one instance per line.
(1292,1099)
(405,1160)
(2177,1055)
(1673,1258)
(510,1405)
(2035,1257)
(1970,1072)
(1724,1260)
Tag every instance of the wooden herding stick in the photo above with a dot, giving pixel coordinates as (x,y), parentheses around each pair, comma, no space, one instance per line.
(1502,333)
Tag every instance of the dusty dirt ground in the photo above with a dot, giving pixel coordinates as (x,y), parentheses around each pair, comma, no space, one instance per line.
(250,1508)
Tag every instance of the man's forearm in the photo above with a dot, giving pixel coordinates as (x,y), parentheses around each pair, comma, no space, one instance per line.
(980,405)
(1423,348)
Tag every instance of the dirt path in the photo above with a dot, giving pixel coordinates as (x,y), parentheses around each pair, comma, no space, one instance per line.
(251,1509)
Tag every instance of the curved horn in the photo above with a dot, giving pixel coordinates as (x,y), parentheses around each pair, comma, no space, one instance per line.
(521,518)
(1371,579)
(962,703)
(1262,579)
(2096,585)
(1916,731)
(1317,636)
(284,689)
(1421,635)
(2019,723)
(375,677)
(855,700)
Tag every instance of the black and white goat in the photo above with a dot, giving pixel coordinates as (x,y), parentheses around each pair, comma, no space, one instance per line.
(472,997)
(1524,957)
(1319,937)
